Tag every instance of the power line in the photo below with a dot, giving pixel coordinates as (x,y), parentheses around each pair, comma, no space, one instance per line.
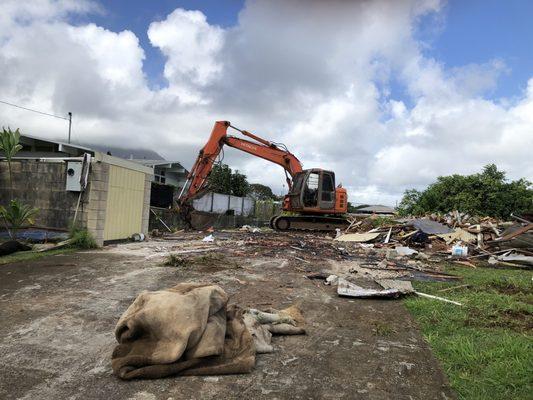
(35,111)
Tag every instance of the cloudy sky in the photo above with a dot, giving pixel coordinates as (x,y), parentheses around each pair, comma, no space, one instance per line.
(388,94)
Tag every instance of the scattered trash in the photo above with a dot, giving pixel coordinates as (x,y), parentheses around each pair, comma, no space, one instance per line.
(459,251)
(208,238)
(288,361)
(346,288)
(137,237)
(332,280)
(248,228)
(404,251)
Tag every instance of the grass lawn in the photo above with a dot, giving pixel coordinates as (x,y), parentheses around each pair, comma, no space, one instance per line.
(485,346)
(32,255)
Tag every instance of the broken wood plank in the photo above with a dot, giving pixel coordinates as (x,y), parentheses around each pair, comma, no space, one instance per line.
(516,233)
(468,264)
(388,236)
(301,259)
(430,296)
(59,245)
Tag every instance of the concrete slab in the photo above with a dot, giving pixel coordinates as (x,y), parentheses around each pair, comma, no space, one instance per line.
(58,316)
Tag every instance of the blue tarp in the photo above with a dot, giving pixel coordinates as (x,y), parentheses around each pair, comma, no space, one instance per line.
(37,235)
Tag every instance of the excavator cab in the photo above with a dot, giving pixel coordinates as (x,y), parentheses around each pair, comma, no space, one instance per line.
(312,190)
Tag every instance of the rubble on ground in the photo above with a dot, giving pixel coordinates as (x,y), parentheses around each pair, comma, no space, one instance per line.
(454,235)
(371,250)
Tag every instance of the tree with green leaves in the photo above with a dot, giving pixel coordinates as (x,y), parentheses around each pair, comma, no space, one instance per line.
(239,184)
(262,192)
(486,193)
(220,179)
(9,145)
(223,180)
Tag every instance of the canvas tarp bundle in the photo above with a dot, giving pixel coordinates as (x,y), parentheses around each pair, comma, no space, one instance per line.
(183,330)
(189,330)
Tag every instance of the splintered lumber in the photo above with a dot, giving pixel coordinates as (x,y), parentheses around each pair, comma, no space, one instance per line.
(468,264)
(160,220)
(353,224)
(516,233)
(388,236)
(59,245)
(357,237)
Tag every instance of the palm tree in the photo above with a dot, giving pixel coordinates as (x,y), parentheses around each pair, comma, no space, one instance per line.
(9,144)
(16,215)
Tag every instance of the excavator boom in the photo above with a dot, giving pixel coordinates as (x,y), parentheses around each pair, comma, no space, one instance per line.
(197,178)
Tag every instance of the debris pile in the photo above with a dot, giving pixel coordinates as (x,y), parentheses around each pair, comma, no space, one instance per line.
(456,235)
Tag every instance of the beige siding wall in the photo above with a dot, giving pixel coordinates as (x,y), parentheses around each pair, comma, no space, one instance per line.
(125,203)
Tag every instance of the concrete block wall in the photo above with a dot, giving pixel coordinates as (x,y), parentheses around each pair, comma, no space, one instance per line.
(95,214)
(41,185)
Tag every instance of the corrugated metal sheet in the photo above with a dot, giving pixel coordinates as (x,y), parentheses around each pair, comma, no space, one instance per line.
(125,199)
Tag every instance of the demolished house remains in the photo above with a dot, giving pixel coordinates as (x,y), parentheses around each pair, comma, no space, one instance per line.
(365,261)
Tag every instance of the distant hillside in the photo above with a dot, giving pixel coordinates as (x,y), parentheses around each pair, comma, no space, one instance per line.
(125,152)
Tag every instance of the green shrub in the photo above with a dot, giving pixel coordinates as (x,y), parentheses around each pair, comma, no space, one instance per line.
(82,239)
(486,193)
(173,260)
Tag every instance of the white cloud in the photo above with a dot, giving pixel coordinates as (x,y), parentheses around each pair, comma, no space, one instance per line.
(192,48)
(318,81)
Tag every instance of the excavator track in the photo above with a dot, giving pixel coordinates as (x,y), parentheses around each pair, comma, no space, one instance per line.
(307,223)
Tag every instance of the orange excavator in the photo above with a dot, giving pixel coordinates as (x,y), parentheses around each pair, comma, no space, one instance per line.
(313,201)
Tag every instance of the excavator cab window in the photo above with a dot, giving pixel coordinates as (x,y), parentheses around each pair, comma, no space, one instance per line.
(328,189)
(311,190)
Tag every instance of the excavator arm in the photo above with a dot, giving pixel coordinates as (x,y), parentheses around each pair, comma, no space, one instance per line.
(198,177)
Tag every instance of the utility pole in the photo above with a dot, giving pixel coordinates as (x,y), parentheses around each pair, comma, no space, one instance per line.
(69,125)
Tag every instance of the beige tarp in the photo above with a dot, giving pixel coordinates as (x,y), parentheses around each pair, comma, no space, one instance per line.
(183,330)
(189,330)
(458,234)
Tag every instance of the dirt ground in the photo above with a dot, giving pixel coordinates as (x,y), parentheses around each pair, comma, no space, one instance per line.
(58,315)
